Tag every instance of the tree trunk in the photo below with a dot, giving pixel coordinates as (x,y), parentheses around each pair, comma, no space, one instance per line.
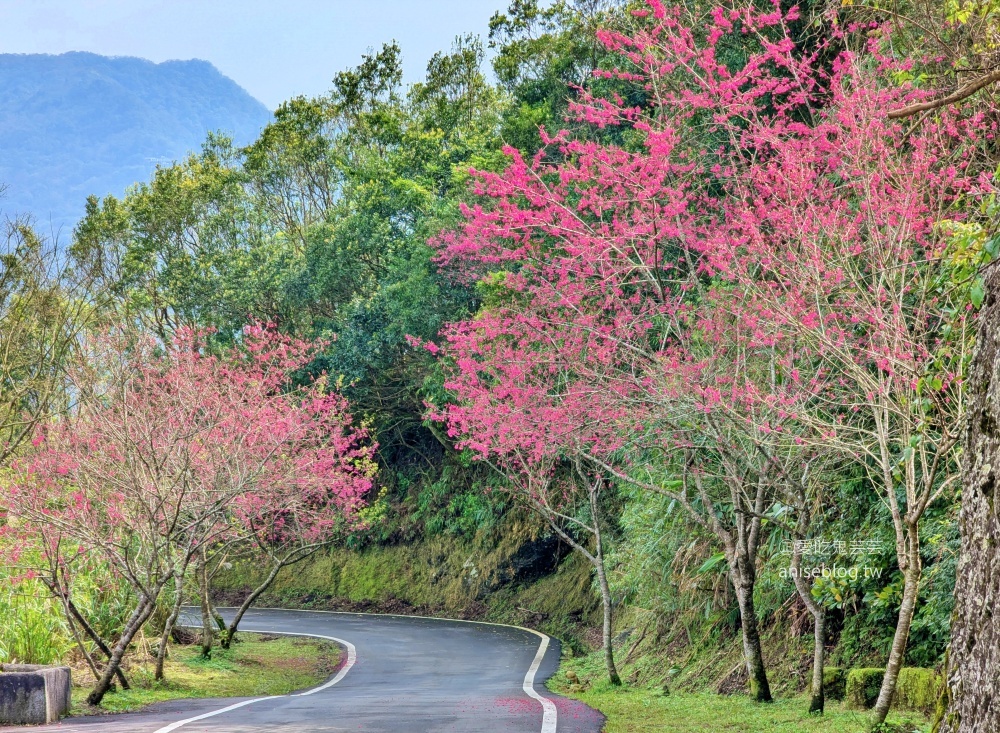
(760,690)
(897,654)
(817,703)
(207,634)
(973,667)
(87,629)
(818,700)
(80,645)
(230,634)
(597,562)
(168,626)
(602,580)
(220,622)
(609,652)
(135,622)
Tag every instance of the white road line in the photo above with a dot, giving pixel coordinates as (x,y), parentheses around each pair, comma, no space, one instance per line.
(548,707)
(179,723)
(352,657)
(549,713)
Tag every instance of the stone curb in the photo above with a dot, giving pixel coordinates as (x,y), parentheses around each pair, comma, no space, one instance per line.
(32,694)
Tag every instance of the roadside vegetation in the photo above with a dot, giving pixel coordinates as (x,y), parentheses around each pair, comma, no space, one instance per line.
(687,698)
(664,342)
(258,665)
(631,710)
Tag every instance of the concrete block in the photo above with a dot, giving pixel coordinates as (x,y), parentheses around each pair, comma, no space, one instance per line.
(32,694)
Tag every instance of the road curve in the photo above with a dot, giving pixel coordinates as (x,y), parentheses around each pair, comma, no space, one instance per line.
(400,675)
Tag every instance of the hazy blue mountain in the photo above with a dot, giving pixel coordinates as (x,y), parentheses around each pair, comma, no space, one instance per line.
(78,124)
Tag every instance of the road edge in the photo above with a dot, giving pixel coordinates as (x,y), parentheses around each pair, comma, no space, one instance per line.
(352,657)
(550,715)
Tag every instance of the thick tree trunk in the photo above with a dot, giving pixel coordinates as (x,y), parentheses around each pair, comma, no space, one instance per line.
(742,574)
(897,654)
(760,690)
(973,668)
(230,634)
(135,622)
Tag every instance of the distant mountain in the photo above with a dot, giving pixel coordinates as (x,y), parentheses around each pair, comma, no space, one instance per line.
(78,124)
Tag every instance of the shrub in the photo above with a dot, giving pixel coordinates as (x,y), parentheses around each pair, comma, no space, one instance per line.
(862,686)
(918,689)
(833,683)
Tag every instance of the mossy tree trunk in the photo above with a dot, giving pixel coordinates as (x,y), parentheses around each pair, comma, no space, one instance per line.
(800,497)
(753,653)
(278,562)
(741,544)
(817,701)
(220,622)
(973,668)
(744,490)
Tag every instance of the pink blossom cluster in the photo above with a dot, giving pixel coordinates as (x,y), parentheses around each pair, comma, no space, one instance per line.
(775,254)
(171,447)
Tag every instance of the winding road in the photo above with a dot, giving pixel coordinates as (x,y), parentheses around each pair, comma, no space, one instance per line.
(399,675)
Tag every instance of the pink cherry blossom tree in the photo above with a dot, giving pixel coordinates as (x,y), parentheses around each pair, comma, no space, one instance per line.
(164,445)
(309,494)
(838,235)
(706,321)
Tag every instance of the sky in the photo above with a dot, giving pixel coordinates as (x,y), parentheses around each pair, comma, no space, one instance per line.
(275,49)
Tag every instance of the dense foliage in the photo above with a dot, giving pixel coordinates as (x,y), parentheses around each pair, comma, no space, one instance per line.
(690,289)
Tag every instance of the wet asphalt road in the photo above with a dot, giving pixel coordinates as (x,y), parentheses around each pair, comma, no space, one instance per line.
(409,675)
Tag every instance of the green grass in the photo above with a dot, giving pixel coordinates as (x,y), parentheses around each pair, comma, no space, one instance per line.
(256,665)
(634,709)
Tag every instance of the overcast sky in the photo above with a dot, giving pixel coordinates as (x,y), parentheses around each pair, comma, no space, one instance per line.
(273,48)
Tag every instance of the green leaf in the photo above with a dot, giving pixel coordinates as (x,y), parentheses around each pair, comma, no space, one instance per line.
(711,562)
(977,292)
(992,247)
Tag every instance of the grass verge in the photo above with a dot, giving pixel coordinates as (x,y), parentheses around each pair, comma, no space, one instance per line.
(257,665)
(635,709)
